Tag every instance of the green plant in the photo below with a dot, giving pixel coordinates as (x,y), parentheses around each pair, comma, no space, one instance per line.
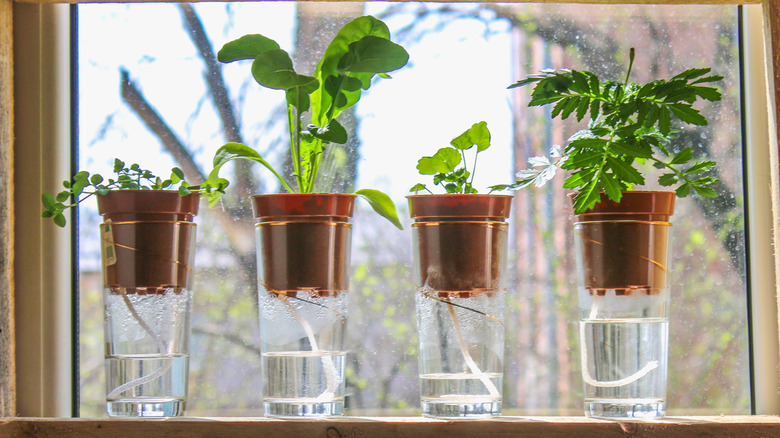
(361,50)
(630,124)
(444,164)
(83,185)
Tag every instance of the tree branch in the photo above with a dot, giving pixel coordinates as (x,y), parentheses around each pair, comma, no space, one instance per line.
(133,97)
(245,181)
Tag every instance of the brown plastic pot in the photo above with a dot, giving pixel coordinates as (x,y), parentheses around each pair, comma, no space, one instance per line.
(147,239)
(624,246)
(303,242)
(460,241)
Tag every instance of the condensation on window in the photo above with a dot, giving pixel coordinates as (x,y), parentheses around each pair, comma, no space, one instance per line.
(145,62)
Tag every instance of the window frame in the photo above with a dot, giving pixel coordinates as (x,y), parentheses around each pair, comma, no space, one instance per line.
(36,315)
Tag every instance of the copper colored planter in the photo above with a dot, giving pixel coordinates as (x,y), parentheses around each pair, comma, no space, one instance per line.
(304,242)
(461,241)
(624,246)
(147,239)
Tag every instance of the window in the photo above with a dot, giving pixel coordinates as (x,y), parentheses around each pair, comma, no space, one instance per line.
(462,58)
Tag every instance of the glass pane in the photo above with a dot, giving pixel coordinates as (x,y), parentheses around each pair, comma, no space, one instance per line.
(145,65)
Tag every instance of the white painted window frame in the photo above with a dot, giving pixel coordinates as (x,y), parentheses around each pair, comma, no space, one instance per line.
(42,252)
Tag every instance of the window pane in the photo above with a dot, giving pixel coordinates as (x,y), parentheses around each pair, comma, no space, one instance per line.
(143,60)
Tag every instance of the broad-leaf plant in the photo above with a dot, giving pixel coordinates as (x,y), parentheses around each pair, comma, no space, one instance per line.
(630,124)
(449,165)
(360,51)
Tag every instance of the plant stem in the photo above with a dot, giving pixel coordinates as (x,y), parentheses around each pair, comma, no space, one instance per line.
(630,66)
(294,126)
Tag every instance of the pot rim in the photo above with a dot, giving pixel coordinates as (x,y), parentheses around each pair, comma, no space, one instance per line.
(460,205)
(657,204)
(148,202)
(280,205)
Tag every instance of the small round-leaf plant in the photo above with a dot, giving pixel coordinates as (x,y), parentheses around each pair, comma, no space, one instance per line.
(449,165)
(361,51)
(630,124)
(133,177)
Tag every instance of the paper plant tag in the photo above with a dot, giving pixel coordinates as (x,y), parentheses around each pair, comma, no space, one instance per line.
(107,238)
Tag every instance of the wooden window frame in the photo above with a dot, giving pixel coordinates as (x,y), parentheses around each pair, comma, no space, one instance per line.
(11,161)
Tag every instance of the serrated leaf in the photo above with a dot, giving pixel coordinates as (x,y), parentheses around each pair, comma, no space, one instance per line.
(683,191)
(699,167)
(687,114)
(418,187)
(571,105)
(611,186)
(706,192)
(708,93)
(523,82)
(664,121)
(683,156)
(625,171)
(587,198)
(558,107)
(668,179)
(582,108)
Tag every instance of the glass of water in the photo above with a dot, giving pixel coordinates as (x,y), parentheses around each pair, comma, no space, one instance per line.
(303,249)
(460,244)
(624,307)
(147,249)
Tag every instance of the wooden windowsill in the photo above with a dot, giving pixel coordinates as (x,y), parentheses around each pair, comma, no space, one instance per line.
(397,427)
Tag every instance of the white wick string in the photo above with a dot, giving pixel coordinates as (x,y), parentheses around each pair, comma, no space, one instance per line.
(491,387)
(160,349)
(650,366)
(331,376)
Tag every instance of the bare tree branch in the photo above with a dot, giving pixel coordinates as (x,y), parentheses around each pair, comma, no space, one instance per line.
(245,180)
(133,97)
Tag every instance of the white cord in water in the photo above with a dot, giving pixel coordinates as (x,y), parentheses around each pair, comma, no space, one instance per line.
(331,375)
(160,349)
(650,366)
(491,387)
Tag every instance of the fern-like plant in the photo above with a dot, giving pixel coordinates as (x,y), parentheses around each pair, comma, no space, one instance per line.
(630,124)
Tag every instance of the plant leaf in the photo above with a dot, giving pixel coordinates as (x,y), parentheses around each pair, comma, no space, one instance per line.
(382,204)
(478,135)
(443,161)
(274,69)
(373,54)
(333,132)
(246,47)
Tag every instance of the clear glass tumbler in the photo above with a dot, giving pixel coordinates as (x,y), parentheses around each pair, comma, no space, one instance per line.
(624,310)
(147,245)
(460,244)
(303,249)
